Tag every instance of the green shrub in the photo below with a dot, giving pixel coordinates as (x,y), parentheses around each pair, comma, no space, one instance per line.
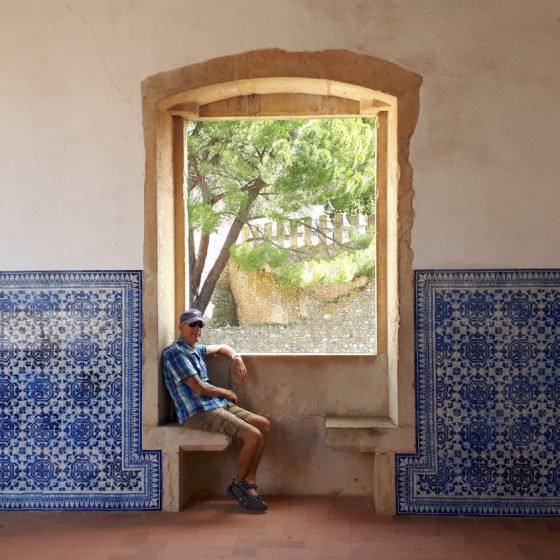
(255,258)
(319,271)
(362,241)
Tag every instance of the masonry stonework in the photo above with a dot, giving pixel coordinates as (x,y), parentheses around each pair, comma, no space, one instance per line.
(340,324)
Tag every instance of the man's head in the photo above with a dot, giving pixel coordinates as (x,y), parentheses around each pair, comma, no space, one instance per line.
(191,324)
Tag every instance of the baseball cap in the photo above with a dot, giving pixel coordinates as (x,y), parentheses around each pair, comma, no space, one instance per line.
(190,316)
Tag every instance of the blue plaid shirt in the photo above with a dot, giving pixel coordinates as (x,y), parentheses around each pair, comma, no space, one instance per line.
(180,362)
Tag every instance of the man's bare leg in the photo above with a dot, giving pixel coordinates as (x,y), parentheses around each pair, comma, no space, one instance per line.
(263,425)
(251,448)
(253,439)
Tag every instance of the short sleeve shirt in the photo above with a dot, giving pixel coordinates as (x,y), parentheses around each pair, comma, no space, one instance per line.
(180,362)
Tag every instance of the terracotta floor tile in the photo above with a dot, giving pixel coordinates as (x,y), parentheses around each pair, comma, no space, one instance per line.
(310,528)
(240,552)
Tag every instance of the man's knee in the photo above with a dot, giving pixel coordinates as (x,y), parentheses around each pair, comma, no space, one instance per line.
(262,424)
(265,426)
(251,435)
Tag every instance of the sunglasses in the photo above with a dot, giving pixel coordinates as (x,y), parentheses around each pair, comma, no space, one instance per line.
(196,324)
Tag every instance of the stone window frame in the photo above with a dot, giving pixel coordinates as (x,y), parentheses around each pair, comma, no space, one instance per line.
(305,84)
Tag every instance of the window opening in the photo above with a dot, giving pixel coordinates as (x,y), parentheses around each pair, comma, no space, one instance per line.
(281,233)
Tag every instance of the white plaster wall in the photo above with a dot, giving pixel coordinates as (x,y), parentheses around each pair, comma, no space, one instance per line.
(71,148)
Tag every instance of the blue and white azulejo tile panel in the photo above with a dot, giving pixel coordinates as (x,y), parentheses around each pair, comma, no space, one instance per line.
(70,393)
(487,395)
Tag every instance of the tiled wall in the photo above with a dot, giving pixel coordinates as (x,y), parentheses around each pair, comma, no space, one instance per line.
(487,381)
(488,395)
(70,393)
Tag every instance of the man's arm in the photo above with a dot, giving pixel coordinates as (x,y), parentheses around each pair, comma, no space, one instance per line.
(239,368)
(208,390)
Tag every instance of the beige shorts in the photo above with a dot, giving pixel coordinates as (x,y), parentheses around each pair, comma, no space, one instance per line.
(231,420)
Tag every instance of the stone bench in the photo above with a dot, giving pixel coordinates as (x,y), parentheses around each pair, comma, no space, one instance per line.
(360,433)
(175,441)
(378,435)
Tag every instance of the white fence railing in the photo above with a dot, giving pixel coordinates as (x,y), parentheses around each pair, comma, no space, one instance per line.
(302,232)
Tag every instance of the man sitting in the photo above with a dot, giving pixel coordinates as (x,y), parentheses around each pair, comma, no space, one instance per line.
(204,406)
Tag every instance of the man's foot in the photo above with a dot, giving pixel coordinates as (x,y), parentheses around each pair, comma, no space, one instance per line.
(239,492)
(252,490)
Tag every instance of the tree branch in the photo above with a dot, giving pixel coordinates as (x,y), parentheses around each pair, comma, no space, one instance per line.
(203,298)
(321,233)
(276,244)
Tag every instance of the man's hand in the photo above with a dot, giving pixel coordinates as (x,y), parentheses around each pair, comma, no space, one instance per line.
(239,368)
(208,390)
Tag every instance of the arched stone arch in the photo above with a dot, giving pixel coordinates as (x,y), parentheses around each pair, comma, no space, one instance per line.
(276,83)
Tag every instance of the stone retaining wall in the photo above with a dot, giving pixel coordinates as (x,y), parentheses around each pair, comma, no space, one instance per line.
(337,325)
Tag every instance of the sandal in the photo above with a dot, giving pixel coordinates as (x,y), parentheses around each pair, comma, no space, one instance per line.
(238,491)
(249,486)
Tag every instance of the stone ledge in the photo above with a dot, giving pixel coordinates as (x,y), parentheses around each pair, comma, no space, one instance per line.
(368,434)
(173,437)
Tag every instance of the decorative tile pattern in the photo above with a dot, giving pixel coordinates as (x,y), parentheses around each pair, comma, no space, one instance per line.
(70,393)
(487,395)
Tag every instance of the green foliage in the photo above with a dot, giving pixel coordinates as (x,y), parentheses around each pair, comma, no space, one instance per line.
(319,271)
(239,171)
(297,163)
(255,258)
(203,217)
(362,241)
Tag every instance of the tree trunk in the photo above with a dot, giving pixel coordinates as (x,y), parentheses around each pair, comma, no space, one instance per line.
(196,272)
(202,300)
(192,262)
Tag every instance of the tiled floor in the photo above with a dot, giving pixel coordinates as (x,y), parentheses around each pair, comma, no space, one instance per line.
(315,528)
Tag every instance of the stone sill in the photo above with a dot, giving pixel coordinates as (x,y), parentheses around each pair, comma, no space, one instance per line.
(368,434)
(299,355)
